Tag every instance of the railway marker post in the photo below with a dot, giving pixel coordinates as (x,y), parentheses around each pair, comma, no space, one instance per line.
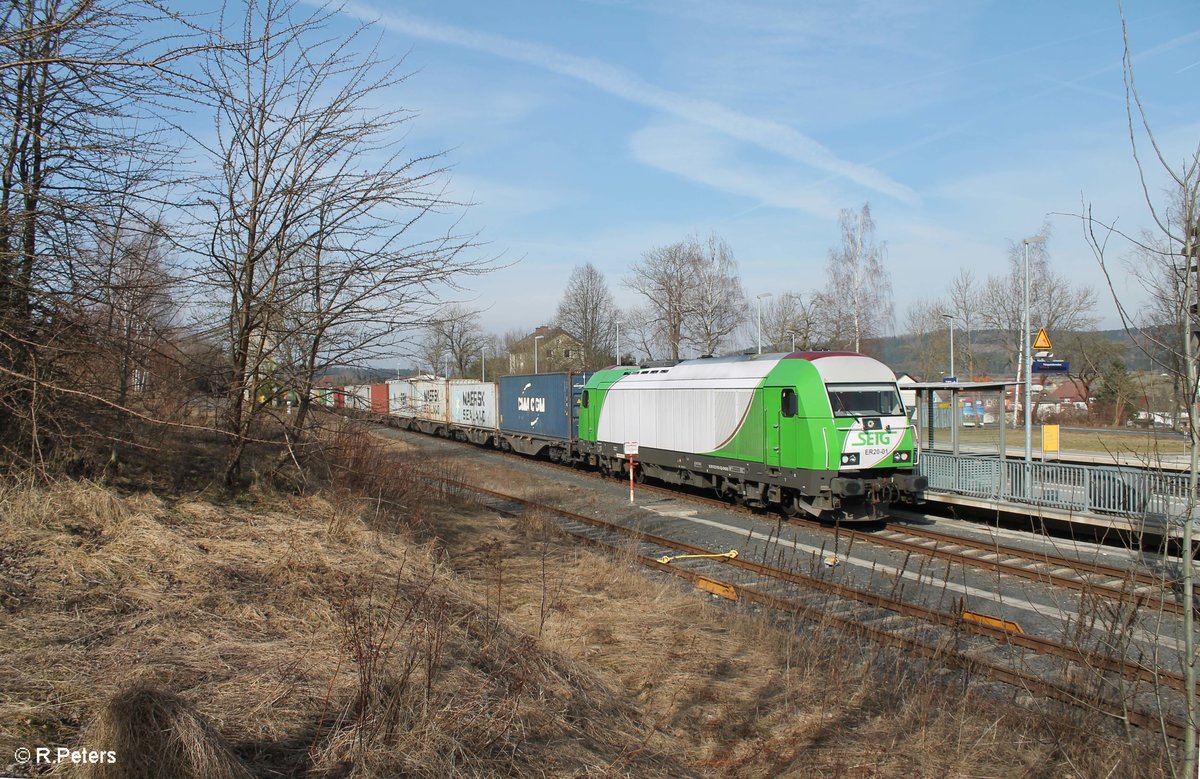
(631,450)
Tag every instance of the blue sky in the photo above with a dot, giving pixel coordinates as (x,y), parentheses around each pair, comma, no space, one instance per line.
(595,131)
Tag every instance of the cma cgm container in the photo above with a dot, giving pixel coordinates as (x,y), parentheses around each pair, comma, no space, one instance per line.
(473,409)
(540,412)
(429,404)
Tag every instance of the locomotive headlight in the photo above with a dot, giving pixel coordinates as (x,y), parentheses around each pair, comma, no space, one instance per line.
(850,458)
(901,457)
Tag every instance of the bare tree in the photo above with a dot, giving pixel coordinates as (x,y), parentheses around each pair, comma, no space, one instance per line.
(929,341)
(787,319)
(963,304)
(1176,296)
(74,78)
(641,333)
(857,299)
(1054,302)
(693,296)
(308,246)
(588,314)
(663,278)
(716,303)
(454,338)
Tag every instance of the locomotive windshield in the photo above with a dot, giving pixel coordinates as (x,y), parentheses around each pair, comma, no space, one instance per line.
(865,400)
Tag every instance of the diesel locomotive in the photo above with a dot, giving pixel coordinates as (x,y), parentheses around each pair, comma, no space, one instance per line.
(824,434)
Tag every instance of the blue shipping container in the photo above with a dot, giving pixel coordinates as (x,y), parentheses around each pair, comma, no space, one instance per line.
(544,405)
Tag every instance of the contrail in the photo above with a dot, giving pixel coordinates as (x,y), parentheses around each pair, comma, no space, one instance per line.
(621,83)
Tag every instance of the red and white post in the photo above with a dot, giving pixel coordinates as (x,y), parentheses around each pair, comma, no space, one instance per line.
(631,450)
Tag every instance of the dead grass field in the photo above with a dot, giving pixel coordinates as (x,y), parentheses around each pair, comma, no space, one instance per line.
(391,632)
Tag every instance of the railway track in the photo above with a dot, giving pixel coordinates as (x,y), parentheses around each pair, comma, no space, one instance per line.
(1085,576)
(1089,577)
(1030,663)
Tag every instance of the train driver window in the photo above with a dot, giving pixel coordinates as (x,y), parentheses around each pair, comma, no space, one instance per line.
(788,404)
(584,400)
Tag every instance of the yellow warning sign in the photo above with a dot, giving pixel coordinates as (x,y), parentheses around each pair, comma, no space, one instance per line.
(1042,342)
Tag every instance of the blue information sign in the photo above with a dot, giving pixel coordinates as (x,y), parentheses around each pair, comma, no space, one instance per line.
(1051,366)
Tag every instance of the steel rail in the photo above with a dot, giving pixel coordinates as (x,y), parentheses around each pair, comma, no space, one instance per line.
(1037,685)
(1123,668)
(1159,601)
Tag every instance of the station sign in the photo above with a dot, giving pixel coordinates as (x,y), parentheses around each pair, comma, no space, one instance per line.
(949,379)
(631,447)
(1051,366)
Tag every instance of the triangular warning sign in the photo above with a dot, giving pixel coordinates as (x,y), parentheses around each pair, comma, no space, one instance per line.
(1042,342)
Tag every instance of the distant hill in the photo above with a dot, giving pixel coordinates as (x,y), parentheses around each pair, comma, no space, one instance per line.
(365,375)
(992,354)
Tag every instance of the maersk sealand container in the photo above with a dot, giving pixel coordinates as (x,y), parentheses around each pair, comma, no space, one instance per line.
(541,405)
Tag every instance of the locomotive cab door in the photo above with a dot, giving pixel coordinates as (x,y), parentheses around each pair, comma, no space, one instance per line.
(780,409)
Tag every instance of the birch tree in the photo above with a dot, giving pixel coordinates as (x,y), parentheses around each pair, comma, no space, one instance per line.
(857,299)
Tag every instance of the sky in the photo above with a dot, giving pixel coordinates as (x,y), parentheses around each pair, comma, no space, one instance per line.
(595,131)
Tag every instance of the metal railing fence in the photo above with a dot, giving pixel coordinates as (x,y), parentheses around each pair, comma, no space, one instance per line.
(1100,489)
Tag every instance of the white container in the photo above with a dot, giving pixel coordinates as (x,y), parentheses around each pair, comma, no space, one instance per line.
(400,398)
(429,399)
(473,403)
(360,398)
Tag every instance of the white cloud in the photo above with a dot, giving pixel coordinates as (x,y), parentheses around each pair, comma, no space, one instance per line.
(764,133)
(699,156)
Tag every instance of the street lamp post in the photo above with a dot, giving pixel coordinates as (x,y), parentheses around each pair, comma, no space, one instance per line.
(482,363)
(536,338)
(1027,361)
(792,333)
(760,300)
(950,322)
(617,324)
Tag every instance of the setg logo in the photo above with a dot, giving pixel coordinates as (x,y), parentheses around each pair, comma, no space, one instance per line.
(873,438)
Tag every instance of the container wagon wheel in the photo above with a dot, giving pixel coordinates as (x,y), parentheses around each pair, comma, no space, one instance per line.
(789,506)
(639,475)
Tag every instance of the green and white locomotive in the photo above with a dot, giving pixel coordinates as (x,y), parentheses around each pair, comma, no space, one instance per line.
(825,433)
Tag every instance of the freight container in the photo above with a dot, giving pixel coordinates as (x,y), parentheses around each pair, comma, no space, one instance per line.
(339,397)
(473,409)
(400,400)
(379,399)
(360,397)
(429,404)
(540,412)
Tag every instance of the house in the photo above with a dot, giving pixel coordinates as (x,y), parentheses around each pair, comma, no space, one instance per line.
(556,350)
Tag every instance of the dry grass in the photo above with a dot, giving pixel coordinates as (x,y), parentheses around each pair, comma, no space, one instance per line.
(394,631)
(312,644)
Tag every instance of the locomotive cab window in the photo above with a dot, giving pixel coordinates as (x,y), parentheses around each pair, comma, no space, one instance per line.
(584,400)
(865,400)
(789,406)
